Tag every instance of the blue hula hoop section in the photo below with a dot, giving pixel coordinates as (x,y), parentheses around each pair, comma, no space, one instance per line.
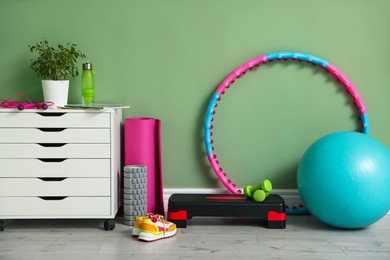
(207,124)
(298,56)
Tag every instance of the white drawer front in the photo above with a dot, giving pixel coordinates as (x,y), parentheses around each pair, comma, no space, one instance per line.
(63,151)
(54,119)
(54,187)
(54,135)
(55,168)
(24,207)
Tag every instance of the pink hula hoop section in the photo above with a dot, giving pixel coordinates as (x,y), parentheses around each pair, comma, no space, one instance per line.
(296,56)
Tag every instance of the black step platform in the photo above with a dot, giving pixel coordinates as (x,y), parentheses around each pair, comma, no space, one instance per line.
(182,207)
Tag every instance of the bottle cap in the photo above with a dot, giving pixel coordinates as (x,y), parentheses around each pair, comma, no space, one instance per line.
(87,66)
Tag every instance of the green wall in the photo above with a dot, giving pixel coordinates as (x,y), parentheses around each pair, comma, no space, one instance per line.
(165,58)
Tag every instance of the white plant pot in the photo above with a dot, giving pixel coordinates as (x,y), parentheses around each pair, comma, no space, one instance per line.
(56,91)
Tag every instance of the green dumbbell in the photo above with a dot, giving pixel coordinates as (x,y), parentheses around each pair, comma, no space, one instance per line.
(266,186)
(249,190)
(259,192)
(259,195)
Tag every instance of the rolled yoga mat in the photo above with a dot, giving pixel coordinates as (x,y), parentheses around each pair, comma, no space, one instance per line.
(142,146)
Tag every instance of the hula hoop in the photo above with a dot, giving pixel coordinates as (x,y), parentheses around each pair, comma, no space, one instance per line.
(296,56)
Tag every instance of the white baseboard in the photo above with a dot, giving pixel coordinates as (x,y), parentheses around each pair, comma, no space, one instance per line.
(290,196)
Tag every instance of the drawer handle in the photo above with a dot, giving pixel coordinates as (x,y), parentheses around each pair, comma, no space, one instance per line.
(51,129)
(52,144)
(53,197)
(52,159)
(52,178)
(51,114)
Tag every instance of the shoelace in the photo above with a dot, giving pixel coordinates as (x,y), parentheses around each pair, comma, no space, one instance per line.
(149,215)
(157,217)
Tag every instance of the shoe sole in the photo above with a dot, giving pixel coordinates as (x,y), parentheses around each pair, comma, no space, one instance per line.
(136,232)
(147,237)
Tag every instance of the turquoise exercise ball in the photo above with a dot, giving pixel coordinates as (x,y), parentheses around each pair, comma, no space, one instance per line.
(344,180)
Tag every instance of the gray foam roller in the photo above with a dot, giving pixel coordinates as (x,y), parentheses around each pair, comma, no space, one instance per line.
(130,191)
(130,198)
(135,168)
(129,209)
(127,196)
(133,186)
(137,175)
(134,191)
(140,202)
(132,181)
(135,202)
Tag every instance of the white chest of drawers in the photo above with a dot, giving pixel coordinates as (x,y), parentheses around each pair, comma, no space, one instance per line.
(60,164)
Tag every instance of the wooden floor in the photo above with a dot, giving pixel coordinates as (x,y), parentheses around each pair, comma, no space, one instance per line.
(204,238)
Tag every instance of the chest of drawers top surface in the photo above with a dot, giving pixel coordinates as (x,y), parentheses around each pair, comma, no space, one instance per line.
(54,118)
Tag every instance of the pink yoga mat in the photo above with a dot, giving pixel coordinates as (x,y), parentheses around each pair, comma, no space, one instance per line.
(142,146)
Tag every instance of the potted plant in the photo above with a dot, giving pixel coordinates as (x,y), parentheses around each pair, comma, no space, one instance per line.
(55,67)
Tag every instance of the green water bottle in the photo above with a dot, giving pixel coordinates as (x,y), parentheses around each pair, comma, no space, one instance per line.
(87,84)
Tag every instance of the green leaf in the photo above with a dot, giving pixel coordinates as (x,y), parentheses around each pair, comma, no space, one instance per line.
(55,64)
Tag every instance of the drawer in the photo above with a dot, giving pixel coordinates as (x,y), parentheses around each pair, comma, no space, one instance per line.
(35,207)
(15,187)
(54,119)
(54,135)
(54,151)
(55,168)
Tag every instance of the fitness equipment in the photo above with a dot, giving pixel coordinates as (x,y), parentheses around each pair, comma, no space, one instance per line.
(226,83)
(21,105)
(343,179)
(259,196)
(259,192)
(142,146)
(134,193)
(182,207)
